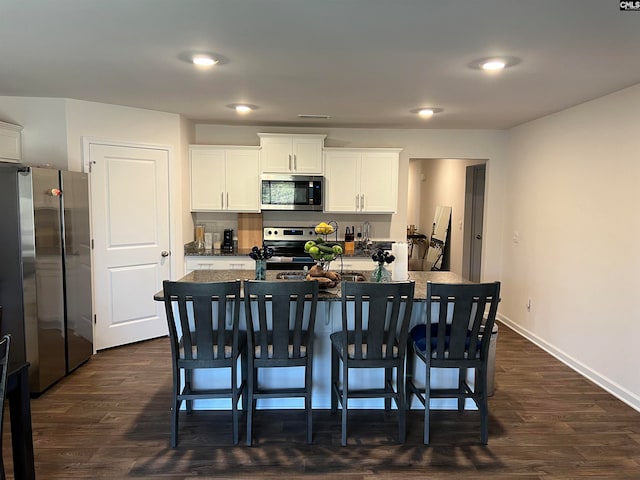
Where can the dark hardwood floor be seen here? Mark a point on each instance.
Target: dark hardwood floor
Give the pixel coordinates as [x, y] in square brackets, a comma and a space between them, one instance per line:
[110, 419]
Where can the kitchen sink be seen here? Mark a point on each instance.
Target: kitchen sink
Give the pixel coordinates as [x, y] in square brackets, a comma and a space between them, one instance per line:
[291, 275]
[299, 275]
[353, 277]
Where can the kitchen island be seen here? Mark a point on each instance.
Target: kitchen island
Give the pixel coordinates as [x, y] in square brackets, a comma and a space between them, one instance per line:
[328, 320]
[419, 277]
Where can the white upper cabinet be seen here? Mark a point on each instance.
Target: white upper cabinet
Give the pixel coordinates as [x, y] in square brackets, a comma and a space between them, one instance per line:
[291, 154]
[361, 180]
[224, 178]
[10, 142]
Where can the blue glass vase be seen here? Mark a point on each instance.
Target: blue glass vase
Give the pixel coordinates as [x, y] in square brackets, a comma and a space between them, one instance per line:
[381, 274]
[261, 269]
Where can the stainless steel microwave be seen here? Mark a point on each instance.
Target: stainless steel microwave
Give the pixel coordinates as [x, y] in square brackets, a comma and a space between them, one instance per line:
[292, 192]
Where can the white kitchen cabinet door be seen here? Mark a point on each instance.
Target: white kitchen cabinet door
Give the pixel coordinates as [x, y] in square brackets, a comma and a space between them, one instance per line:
[207, 179]
[379, 182]
[276, 154]
[225, 178]
[307, 154]
[243, 180]
[361, 180]
[342, 182]
[291, 154]
[10, 142]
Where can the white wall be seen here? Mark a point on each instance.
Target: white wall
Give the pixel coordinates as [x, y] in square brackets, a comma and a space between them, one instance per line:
[486, 144]
[414, 209]
[572, 201]
[54, 128]
[44, 141]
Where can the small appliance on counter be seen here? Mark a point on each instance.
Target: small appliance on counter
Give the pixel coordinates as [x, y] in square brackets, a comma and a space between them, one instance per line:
[349, 244]
[199, 238]
[227, 241]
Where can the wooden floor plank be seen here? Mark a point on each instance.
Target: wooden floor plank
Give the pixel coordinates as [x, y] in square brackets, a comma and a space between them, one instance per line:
[110, 419]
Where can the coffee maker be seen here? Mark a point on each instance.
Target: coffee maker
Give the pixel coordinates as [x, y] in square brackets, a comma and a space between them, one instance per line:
[227, 240]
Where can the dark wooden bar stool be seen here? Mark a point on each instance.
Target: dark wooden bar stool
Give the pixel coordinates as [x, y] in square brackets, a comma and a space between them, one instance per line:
[280, 332]
[456, 339]
[379, 314]
[210, 339]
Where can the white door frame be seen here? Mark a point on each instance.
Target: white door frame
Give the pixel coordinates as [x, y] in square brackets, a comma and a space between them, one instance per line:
[86, 143]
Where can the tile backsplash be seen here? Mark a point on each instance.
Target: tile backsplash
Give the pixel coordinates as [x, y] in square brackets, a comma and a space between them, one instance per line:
[380, 224]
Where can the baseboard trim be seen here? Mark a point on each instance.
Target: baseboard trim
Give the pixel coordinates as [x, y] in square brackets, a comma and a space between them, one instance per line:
[606, 384]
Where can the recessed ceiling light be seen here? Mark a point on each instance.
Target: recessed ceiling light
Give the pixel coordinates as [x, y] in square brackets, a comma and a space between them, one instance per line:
[426, 112]
[242, 107]
[494, 64]
[314, 115]
[204, 60]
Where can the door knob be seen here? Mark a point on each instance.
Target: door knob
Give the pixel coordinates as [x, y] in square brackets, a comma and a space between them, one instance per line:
[165, 253]
[478, 237]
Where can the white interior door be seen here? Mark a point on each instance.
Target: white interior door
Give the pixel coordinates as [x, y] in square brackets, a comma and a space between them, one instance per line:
[130, 230]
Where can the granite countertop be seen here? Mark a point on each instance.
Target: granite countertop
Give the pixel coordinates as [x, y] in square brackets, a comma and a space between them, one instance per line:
[419, 277]
[191, 251]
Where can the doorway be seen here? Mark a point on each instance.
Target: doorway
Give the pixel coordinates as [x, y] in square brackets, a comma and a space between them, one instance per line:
[442, 181]
[473, 222]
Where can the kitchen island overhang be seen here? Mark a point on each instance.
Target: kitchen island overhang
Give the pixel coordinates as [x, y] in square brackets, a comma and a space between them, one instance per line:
[328, 320]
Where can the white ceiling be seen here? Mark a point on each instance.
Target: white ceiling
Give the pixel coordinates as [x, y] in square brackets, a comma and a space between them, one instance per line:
[366, 63]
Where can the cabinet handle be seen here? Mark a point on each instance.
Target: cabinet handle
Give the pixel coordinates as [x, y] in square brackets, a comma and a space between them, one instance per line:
[227, 200]
[357, 201]
[221, 200]
[295, 162]
[164, 253]
[362, 202]
[289, 162]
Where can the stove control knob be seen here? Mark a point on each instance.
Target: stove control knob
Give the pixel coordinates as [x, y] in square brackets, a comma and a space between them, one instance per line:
[268, 232]
[276, 232]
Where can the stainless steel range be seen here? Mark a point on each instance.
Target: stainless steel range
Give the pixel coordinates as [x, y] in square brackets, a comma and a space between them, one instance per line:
[288, 247]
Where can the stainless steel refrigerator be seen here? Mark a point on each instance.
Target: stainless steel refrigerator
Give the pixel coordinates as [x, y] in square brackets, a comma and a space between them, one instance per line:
[45, 270]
